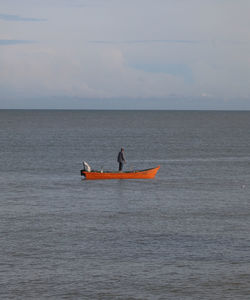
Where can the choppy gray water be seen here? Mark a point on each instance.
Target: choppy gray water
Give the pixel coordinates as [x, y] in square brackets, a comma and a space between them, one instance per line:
[183, 235]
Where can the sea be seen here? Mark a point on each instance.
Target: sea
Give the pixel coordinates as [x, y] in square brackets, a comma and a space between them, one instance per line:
[183, 235]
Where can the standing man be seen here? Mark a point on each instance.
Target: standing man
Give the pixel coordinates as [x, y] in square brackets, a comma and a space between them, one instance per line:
[120, 159]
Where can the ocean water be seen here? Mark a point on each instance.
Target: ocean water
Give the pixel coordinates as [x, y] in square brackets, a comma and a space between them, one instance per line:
[183, 235]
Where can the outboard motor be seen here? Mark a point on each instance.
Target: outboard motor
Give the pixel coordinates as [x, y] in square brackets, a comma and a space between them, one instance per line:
[86, 166]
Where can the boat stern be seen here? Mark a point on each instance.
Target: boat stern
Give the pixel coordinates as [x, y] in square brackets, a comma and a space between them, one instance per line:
[82, 172]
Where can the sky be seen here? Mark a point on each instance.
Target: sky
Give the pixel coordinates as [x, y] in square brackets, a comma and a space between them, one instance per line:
[125, 54]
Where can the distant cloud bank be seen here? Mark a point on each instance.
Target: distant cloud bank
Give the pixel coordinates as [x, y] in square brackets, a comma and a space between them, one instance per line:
[15, 42]
[146, 42]
[17, 18]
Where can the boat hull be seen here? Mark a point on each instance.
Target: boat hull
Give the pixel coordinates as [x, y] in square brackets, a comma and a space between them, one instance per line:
[141, 174]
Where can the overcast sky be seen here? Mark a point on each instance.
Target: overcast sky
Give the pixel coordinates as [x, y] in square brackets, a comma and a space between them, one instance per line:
[152, 54]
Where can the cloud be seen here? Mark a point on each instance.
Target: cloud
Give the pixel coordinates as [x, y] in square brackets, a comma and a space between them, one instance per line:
[205, 95]
[103, 74]
[15, 42]
[17, 18]
[181, 70]
[146, 42]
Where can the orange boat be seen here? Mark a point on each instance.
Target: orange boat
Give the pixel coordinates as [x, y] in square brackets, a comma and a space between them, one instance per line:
[138, 174]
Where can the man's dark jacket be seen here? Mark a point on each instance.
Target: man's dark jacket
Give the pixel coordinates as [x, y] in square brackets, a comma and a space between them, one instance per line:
[120, 157]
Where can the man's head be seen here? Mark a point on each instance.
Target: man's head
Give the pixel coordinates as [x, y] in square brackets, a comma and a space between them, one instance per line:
[122, 149]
